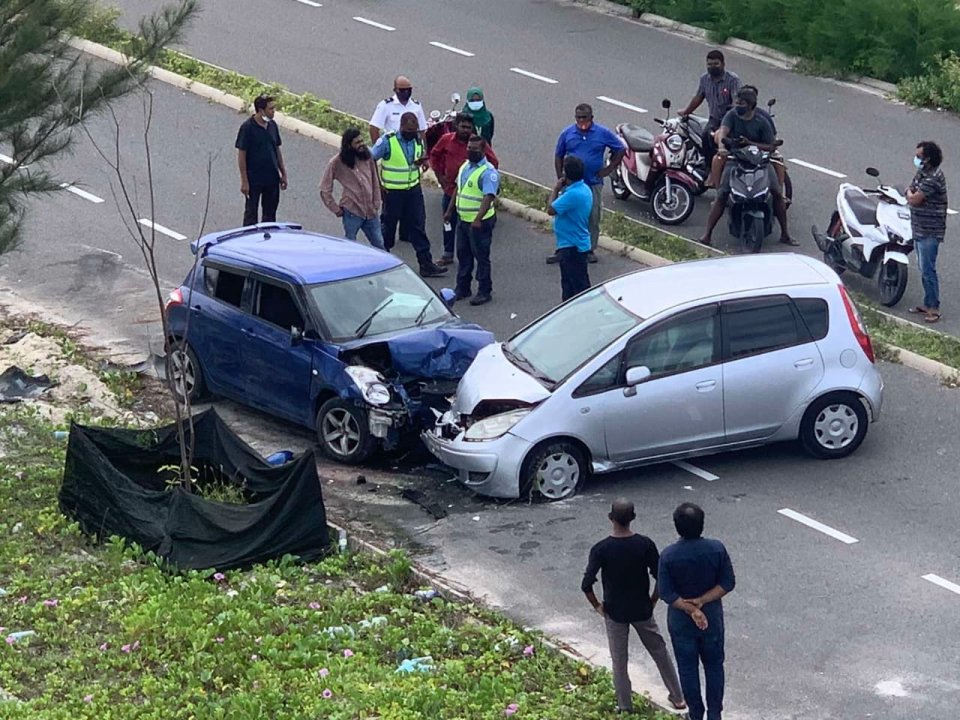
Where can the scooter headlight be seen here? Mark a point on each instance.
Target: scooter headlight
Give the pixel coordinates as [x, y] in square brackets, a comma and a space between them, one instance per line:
[675, 143]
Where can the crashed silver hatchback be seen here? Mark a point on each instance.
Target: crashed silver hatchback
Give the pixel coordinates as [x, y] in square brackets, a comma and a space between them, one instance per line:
[661, 364]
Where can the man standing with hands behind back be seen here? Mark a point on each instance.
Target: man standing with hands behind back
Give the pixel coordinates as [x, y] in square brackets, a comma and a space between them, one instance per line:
[626, 560]
[262, 172]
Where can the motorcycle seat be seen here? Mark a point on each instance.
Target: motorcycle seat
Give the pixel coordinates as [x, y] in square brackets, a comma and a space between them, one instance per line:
[638, 139]
[864, 208]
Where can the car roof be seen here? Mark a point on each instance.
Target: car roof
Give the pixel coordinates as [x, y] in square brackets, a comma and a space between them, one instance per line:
[310, 257]
[650, 291]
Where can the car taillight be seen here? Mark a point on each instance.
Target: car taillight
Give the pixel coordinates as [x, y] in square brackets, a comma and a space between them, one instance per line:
[856, 324]
[174, 298]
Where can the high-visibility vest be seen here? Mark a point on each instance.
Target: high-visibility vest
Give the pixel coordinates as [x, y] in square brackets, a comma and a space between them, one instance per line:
[395, 172]
[470, 195]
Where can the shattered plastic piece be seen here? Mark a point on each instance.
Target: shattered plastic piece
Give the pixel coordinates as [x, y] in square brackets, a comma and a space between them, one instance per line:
[513, 316]
[417, 664]
[20, 635]
[16, 385]
[280, 458]
[60, 434]
[476, 518]
[427, 595]
[383, 588]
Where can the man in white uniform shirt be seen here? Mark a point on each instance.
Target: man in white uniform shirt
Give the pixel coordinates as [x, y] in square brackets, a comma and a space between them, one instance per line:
[386, 118]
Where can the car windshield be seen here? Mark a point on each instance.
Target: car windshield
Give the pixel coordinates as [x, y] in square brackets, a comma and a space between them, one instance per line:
[565, 339]
[396, 299]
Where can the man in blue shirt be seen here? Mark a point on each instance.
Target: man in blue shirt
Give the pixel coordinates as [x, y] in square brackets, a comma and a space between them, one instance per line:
[590, 142]
[570, 204]
[478, 183]
[695, 573]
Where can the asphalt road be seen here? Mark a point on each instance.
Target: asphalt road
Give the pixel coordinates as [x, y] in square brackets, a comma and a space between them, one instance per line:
[817, 628]
[348, 51]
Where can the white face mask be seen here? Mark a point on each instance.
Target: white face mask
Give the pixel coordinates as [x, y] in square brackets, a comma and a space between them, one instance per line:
[475, 104]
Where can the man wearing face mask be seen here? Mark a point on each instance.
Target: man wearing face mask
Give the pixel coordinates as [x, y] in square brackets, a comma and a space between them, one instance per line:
[718, 87]
[386, 118]
[359, 204]
[262, 172]
[590, 142]
[744, 124]
[402, 159]
[927, 196]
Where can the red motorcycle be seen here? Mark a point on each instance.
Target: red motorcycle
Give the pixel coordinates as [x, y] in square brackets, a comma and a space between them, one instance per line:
[439, 124]
[658, 170]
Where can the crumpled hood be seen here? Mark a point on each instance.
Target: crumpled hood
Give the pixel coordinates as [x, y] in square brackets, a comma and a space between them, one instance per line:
[492, 377]
[443, 352]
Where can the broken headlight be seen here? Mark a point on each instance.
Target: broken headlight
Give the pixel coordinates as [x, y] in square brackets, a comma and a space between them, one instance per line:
[370, 383]
[490, 428]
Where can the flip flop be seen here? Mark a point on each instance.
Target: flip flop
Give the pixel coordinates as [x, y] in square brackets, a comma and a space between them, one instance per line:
[932, 317]
[918, 310]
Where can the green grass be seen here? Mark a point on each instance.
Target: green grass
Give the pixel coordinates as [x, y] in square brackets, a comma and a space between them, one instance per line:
[929, 343]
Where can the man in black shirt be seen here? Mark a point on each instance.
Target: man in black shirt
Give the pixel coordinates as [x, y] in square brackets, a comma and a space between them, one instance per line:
[626, 560]
[262, 172]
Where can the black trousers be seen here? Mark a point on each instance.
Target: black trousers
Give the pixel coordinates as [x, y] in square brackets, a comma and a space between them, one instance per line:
[268, 196]
[574, 278]
[406, 209]
[473, 247]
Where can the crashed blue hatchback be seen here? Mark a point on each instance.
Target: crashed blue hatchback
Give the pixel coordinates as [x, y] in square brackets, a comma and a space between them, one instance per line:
[321, 331]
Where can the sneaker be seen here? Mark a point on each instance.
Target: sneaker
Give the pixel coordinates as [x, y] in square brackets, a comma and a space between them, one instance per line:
[444, 261]
[553, 259]
[432, 270]
[481, 300]
[591, 257]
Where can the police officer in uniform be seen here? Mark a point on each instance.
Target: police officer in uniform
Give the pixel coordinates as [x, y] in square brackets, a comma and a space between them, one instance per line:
[478, 183]
[386, 118]
[402, 159]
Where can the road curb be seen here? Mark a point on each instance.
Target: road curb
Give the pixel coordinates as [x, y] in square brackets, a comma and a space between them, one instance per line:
[925, 365]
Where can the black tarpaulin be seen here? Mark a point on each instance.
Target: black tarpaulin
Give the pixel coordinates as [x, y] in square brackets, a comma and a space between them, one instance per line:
[115, 483]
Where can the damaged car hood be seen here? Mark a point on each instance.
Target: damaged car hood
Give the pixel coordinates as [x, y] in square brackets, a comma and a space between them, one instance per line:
[442, 352]
[491, 378]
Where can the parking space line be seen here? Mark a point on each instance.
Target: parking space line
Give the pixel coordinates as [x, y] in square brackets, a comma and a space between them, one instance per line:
[818, 168]
[10, 161]
[945, 584]
[819, 526]
[161, 229]
[81, 193]
[373, 23]
[451, 48]
[620, 103]
[527, 73]
[310, 3]
[951, 212]
[709, 477]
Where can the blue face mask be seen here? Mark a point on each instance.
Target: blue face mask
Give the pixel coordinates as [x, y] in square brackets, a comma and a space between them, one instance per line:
[917, 162]
[741, 110]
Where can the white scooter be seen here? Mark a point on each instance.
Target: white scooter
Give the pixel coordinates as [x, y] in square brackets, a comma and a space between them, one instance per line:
[870, 233]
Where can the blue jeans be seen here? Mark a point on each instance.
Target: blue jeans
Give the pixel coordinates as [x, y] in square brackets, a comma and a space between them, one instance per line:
[352, 224]
[927, 250]
[449, 236]
[692, 646]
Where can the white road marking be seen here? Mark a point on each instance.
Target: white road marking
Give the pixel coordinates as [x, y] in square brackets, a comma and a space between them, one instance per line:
[620, 103]
[161, 229]
[951, 212]
[311, 3]
[945, 584]
[371, 23]
[818, 168]
[81, 193]
[811, 523]
[10, 161]
[709, 477]
[527, 73]
[451, 48]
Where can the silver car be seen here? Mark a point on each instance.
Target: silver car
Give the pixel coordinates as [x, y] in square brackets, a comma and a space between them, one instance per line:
[661, 364]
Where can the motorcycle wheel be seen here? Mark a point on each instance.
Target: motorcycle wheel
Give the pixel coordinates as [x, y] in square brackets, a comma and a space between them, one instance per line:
[835, 230]
[831, 263]
[672, 210]
[892, 283]
[619, 188]
[752, 237]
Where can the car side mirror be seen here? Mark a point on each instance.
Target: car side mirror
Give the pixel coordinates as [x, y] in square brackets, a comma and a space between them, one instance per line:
[635, 376]
[455, 98]
[873, 172]
[296, 336]
[449, 296]
[771, 102]
[665, 104]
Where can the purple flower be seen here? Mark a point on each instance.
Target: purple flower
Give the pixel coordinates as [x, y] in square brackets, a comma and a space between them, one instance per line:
[11, 639]
[51, 603]
[125, 648]
[323, 672]
[511, 709]
[314, 606]
[327, 694]
[348, 653]
[528, 650]
[104, 647]
[219, 577]
[88, 698]
[22, 600]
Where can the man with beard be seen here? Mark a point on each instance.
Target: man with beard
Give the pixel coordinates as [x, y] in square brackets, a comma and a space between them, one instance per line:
[719, 88]
[359, 204]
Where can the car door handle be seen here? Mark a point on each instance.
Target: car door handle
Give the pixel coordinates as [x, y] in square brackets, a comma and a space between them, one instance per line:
[196, 308]
[805, 363]
[706, 385]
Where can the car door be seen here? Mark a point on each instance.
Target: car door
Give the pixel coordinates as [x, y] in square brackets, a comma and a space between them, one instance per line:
[216, 319]
[771, 365]
[680, 406]
[277, 371]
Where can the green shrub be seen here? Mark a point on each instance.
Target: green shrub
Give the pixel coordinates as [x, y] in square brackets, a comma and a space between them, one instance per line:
[938, 86]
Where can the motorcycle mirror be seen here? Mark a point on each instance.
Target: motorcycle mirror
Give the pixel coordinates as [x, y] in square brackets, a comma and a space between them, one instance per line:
[873, 172]
[771, 102]
[665, 104]
[455, 98]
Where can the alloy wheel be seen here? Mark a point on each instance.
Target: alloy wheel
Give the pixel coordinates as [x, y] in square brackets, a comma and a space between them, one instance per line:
[340, 432]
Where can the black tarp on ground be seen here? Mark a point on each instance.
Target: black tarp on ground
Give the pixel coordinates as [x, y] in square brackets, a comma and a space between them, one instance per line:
[113, 485]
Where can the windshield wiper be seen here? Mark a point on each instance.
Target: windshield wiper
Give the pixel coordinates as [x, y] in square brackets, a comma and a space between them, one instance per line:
[365, 325]
[521, 362]
[423, 311]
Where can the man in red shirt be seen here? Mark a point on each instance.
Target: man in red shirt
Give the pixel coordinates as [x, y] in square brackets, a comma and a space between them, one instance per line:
[446, 158]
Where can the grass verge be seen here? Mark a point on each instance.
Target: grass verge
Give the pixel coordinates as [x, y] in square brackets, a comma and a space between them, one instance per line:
[929, 343]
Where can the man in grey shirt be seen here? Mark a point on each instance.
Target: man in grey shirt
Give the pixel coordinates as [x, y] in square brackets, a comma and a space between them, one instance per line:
[718, 87]
[927, 196]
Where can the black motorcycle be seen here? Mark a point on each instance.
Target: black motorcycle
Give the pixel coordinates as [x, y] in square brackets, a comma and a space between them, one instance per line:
[750, 202]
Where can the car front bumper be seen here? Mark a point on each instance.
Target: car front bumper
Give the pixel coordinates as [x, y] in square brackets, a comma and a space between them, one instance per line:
[490, 468]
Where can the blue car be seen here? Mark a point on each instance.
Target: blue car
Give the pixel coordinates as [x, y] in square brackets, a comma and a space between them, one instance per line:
[321, 331]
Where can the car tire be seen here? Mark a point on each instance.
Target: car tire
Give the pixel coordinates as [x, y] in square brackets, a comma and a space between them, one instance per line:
[343, 431]
[834, 426]
[553, 471]
[182, 363]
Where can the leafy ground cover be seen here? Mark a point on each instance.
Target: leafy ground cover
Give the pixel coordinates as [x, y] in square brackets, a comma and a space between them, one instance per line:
[105, 631]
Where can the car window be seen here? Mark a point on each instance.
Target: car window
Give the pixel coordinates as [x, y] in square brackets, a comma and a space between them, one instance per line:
[228, 286]
[275, 305]
[686, 342]
[816, 314]
[210, 275]
[761, 325]
[603, 379]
